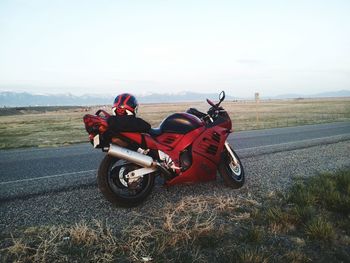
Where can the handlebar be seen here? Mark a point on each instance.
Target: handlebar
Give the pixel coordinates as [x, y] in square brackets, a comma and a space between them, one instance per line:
[215, 108]
[211, 103]
[221, 98]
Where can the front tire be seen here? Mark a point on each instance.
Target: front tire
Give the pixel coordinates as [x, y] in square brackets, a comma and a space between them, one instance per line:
[114, 186]
[232, 174]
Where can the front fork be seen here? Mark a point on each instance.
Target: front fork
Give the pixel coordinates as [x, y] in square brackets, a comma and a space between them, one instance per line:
[229, 150]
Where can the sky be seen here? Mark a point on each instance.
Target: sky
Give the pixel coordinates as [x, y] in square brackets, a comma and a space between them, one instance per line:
[110, 46]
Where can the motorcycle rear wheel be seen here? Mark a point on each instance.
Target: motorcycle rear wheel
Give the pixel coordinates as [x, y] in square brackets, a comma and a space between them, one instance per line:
[232, 174]
[114, 186]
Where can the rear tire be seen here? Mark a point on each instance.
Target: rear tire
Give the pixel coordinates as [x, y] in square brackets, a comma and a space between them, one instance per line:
[114, 186]
[233, 175]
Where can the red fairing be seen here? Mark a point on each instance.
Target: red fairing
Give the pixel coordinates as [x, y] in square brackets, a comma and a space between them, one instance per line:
[136, 137]
[211, 143]
[206, 147]
[150, 142]
[206, 144]
[201, 170]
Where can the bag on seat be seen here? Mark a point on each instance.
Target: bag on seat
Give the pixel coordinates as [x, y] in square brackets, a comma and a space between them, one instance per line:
[128, 123]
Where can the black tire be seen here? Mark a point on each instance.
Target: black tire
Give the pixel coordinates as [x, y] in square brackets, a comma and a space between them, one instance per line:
[233, 175]
[115, 189]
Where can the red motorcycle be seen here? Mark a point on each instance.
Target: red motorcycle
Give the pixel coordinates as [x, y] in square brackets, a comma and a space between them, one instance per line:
[187, 147]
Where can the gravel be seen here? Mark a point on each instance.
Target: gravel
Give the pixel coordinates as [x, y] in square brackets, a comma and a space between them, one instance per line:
[265, 173]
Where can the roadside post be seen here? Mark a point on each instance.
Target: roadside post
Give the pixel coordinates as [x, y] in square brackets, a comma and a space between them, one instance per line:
[257, 101]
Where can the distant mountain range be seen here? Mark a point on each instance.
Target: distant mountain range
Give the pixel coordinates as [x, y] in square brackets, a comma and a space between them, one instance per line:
[16, 99]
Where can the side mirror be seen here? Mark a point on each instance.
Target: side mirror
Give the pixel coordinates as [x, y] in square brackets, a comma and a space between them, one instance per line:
[222, 96]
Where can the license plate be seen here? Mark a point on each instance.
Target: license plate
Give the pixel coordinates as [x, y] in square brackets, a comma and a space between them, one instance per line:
[96, 141]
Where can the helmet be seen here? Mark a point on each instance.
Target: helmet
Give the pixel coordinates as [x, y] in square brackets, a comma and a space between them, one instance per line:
[125, 104]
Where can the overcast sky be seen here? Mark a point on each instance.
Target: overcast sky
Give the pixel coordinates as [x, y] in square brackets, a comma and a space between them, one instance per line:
[274, 47]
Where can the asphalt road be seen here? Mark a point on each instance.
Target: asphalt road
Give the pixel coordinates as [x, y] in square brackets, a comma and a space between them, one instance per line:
[26, 173]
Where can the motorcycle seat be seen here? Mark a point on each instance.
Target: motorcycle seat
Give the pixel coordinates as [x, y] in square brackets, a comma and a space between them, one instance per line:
[154, 132]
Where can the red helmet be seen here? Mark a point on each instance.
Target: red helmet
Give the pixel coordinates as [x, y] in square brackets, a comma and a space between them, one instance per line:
[125, 104]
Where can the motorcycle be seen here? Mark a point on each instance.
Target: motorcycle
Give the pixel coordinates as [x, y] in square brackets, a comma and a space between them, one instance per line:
[188, 147]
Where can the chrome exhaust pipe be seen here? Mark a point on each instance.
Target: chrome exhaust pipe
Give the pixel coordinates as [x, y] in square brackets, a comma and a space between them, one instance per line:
[131, 156]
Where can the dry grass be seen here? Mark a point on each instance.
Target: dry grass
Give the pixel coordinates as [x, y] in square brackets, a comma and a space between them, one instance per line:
[296, 256]
[18, 248]
[247, 115]
[81, 242]
[82, 234]
[254, 255]
[40, 130]
[203, 229]
[184, 225]
[64, 126]
[176, 233]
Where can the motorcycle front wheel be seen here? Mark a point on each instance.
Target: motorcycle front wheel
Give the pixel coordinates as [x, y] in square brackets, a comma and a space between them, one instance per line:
[232, 174]
[115, 187]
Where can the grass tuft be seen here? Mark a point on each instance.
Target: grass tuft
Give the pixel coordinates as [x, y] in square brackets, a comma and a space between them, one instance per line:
[254, 235]
[320, 229]
[295, 256]
[18, 248]
[301, 195]
[304, 213]
[251, 255]
[82, 234]
[330, 191]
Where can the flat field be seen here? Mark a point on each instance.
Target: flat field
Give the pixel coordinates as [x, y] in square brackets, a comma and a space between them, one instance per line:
[55, 126]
